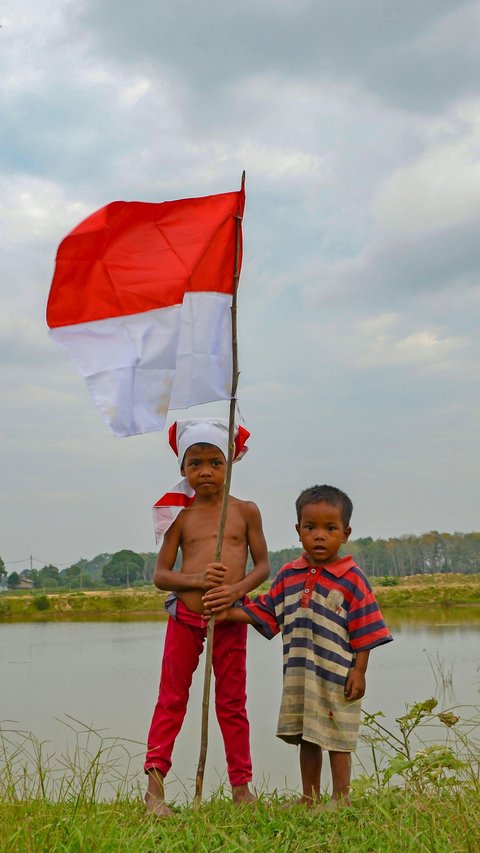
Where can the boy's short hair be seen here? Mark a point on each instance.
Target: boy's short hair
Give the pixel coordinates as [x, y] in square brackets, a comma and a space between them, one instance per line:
[328, 494]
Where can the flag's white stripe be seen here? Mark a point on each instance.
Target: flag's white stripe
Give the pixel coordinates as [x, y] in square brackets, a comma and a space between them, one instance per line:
[139, 366]
[204, 353]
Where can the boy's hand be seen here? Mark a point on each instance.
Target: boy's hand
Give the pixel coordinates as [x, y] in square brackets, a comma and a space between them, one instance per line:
[209, 614]
[213, 575]
[219, 598]
[355, 685]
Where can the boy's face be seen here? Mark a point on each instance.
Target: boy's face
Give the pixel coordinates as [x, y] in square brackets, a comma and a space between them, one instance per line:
[322, 532]
[205, 468]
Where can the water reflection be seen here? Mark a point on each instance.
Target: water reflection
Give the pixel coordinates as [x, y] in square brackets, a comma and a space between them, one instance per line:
[401, 618]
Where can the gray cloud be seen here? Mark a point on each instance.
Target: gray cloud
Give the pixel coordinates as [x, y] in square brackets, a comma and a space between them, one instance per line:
[398, 50]
[358, 126]
[387, 273]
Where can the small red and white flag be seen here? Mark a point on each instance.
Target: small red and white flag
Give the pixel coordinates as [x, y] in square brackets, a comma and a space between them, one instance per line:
[140, 300]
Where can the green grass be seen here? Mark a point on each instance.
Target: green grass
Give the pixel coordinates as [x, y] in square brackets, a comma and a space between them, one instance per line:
[423, 795]
[391, 821]
[439, 590]
[120, 604]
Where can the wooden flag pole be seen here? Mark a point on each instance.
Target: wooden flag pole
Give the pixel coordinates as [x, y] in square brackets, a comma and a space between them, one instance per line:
[223, 517]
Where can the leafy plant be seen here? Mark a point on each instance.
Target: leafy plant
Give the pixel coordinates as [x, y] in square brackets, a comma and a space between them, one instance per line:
[41, 602]
[421, 767]
[389, 580]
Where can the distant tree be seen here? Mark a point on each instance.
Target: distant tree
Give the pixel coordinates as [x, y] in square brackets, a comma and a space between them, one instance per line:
[278, 559]
[95, 565]
[3, 571]
[362, 550]
[149, 559]
[123, 568]
[33, 575]
[47, 576]
[13, 580]
[471, 554]
[70, 573]
[85, 567]
[82, 581]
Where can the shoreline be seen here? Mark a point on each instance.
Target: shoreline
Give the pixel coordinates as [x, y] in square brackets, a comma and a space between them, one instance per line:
[439, 593]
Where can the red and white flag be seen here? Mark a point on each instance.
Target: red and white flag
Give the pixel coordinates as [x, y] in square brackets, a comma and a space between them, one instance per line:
[140, 299]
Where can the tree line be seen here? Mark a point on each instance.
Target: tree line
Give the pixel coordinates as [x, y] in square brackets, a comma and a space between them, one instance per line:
[431, 552]
[123, 568]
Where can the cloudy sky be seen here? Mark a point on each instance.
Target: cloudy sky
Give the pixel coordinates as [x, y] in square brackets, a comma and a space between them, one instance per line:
[358, 125]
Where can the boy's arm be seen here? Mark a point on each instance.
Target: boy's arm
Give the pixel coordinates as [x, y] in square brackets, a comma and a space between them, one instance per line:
[229, 614]
[165, 578]
[355, 683]
[260, 613]
[224, 595]
[258, 552]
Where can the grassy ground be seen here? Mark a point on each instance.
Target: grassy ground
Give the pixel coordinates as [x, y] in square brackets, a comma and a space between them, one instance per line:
[423, 797]
[390, 821]
[417, 591]
[122, 604]
[436, 589]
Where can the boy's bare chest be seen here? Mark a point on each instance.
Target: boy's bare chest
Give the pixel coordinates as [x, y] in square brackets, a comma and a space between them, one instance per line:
[201, 527]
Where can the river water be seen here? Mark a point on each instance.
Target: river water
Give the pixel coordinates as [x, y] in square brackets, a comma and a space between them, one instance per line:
[59, 680]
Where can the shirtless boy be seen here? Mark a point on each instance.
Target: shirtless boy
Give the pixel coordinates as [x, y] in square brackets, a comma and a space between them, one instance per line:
[201, 446]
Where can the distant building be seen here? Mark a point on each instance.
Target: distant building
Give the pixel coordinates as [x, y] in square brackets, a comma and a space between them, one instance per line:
[24, 583]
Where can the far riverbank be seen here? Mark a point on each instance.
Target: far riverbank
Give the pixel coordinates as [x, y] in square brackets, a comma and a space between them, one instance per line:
[147, 604]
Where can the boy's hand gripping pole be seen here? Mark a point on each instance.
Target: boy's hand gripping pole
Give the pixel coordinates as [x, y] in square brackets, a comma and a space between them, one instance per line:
[223, 517]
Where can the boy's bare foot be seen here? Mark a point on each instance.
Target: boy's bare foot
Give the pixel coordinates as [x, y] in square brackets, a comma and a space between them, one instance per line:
[158, 808]
[242, 795]
[155, 796]
[306, 802]
[335, 804]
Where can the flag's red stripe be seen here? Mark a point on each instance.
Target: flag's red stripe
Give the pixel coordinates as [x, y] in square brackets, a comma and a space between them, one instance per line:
[132, 257]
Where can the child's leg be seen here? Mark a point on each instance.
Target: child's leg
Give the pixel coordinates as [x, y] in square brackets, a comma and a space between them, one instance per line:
[229, 665]
[310, 769]
[341, 764]
[183, 646]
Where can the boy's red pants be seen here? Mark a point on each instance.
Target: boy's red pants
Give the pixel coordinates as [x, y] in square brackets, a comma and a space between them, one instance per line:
[184, 641]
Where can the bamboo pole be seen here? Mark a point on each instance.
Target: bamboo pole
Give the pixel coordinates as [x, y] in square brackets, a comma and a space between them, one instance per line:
[223, 517]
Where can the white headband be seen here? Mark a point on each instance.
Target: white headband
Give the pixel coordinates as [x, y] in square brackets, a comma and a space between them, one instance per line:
[184, 433]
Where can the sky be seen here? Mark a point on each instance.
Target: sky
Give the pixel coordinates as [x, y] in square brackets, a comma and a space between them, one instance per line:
[358, 126]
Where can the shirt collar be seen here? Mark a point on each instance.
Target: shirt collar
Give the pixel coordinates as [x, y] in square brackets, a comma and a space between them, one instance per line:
[338, 568]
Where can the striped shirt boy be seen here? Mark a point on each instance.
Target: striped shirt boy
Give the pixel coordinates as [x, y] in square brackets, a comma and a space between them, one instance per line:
[326, 614]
